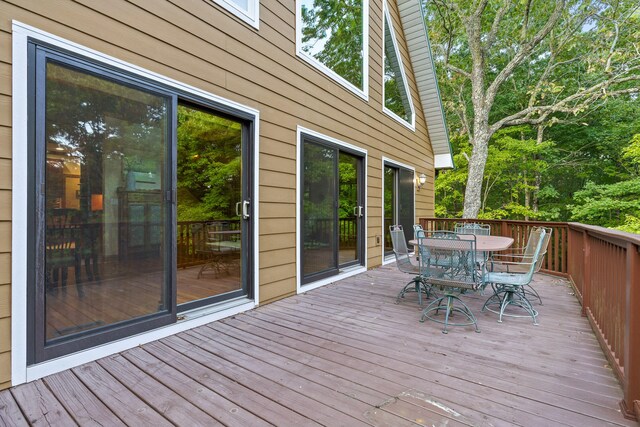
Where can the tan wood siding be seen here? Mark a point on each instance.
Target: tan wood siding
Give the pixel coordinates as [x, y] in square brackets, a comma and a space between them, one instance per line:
[5, 369]
[200, 44]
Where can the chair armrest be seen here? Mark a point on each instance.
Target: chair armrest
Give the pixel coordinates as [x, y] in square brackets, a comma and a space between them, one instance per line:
[501, 256]
[508, 266]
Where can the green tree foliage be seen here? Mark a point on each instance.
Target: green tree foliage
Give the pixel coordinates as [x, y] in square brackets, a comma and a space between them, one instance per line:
[513, 159]
[332, 33]
[614, 205]
[541, 63]
[396, 98]
[209, 165]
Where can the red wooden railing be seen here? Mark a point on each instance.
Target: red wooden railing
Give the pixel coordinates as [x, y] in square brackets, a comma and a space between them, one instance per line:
[603, 266]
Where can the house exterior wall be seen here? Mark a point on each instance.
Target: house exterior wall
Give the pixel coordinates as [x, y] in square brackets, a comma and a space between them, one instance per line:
[199, 43]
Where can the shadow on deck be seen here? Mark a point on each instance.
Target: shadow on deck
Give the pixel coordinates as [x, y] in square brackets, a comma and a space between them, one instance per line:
[344, 354]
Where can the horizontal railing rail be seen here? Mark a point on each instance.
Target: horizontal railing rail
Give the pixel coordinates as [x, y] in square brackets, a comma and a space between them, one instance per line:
[603, 266]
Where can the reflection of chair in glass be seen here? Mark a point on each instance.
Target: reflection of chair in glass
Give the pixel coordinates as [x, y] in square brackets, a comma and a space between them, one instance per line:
[449, 263]
[61, 250]
[87, 249]
[508, 284]
[473, 228]
[525, 255]
[220, 245]
[404, 263]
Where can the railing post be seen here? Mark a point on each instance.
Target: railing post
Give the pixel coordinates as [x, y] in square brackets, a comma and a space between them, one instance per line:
[586, 272]
[631, 403]
[504, 229]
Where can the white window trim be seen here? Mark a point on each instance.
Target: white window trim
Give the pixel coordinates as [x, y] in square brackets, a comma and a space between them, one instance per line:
[412, 124]
[391, 162]
[250, 16]
[362, 93]
[20, 372]
[346, 272]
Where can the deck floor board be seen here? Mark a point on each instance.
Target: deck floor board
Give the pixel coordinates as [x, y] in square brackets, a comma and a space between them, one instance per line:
[345, 354]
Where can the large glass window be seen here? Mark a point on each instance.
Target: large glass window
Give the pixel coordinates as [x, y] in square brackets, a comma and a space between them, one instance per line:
[334, 36]
[397, 101]
[141, 204]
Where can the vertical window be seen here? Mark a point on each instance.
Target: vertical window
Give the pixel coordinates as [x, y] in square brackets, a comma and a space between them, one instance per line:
[333, 36]
[247, 10]
[397, 101]
[398, 203]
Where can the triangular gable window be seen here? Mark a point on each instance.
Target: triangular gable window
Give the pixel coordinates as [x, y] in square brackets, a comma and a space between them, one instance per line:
[397, 102]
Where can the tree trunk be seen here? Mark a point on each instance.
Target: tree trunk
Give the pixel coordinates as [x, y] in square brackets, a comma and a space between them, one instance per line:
[538, 175]
[527, 196]
[477, 162]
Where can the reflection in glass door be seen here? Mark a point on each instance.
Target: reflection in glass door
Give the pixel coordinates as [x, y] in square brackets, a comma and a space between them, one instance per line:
[390, 205]
[398, 202]
[332, 210]
[103, 155]
[141, 205]
[212, 207]
[350, 208]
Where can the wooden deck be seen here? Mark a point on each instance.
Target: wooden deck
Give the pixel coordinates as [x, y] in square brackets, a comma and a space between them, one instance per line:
[344, 354]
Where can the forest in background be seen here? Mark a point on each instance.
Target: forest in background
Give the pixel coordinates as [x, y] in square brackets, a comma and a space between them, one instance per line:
[553, 88]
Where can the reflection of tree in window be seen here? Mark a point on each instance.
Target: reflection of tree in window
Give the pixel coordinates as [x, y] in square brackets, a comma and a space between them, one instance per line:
[209, 165]
[396, 98]
[332, 33]
[92, 120]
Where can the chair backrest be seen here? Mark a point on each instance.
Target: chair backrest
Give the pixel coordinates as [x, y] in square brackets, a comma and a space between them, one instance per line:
[538, 237]
[448, 261]
[544, 248]
[400, 250]
[535, 236]
[418, 231]
[472, 228]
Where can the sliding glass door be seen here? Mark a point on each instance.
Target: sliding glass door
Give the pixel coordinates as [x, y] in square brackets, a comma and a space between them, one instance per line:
[332, 208]
[141, 204]
[213, 207]
[398, 202]
[103, 249]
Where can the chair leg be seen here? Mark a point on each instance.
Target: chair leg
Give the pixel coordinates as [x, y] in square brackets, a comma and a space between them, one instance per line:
[530, 290]
[416, 285]
[447, 303]
[510, 296]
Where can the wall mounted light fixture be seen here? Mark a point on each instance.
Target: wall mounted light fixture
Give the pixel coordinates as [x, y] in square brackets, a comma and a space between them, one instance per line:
[422, 178]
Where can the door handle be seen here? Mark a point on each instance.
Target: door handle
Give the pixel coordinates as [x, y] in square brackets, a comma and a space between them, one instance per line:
[355, 211]
[360, 209]
[245, 209]
[238, 208]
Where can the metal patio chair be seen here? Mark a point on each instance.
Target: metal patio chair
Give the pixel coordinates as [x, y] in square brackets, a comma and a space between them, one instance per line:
[508, 284]
[473, 228]
[525, 254]
[404, 263]
[448, 263]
